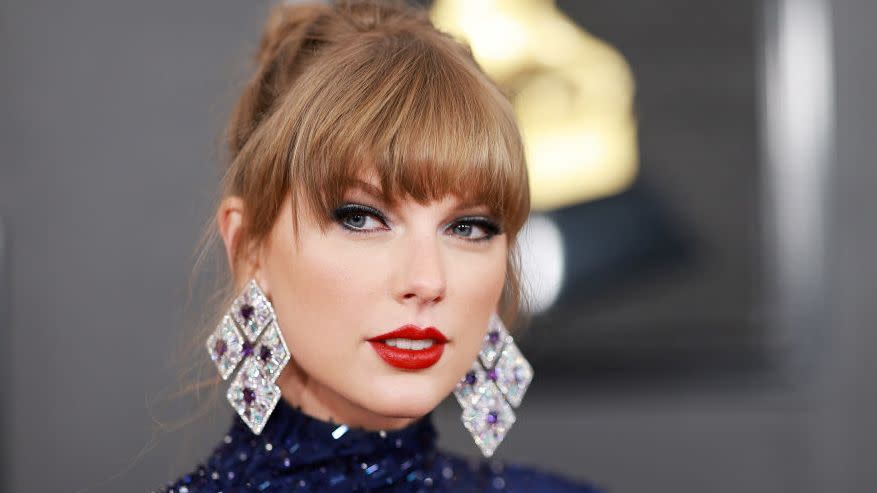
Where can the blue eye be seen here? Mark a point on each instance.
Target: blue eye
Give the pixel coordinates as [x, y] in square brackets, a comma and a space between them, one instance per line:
[358, 221]
[464, 229]
[359, 218]
[475, 228]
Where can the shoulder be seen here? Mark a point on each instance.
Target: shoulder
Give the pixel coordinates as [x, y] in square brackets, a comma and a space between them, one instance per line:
[509, 477]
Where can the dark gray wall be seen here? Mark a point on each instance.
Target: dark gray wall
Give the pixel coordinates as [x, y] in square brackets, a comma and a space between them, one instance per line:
[111, 113]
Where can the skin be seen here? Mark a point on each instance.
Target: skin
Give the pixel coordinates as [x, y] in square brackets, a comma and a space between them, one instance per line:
[338, 288]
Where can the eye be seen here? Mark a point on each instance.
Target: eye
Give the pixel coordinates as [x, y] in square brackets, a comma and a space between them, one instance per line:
[359, 218]
[475, 228]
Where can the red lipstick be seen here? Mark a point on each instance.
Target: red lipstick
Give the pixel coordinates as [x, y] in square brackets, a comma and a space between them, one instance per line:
[410, 359]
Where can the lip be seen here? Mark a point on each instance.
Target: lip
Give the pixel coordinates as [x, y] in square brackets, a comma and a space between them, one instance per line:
[413, 332]
[410, 359]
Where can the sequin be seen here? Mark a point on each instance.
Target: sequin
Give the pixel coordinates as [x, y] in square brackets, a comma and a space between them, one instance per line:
[339, 432]
[314, 456]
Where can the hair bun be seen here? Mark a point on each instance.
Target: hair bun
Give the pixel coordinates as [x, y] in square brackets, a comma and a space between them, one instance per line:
[292, 39]
[286, 32]
[286, 28]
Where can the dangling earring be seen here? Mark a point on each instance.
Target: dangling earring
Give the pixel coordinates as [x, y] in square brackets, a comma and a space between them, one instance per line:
[496, 382]
[252, 393]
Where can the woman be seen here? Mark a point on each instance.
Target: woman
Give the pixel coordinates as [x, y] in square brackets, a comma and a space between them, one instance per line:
[376, 185]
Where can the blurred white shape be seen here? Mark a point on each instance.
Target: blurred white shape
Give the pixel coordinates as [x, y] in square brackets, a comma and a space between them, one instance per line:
[799, 128]
[540, 243]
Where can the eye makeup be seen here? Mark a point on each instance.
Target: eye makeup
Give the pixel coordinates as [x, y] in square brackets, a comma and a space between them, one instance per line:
[490, 227]
[354, 217]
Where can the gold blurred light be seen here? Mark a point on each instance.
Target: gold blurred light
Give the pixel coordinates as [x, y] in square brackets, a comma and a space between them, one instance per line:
[572, 93]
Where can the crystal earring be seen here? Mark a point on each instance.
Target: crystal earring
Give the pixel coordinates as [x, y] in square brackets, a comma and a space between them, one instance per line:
[252, 393]
[494, 384]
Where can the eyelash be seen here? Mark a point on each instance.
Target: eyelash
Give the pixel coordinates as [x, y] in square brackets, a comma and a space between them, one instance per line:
[490, 228]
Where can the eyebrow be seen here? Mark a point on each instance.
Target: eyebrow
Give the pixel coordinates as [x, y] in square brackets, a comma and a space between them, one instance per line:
[367, 188]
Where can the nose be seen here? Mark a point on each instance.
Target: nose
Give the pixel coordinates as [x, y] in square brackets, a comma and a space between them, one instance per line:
[421, 271]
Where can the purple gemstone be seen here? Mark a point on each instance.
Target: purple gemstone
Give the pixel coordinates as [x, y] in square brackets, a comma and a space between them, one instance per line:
[491, 374]
[249, 395]
[247, 311]
[493, 337]
[220, 348]
[265, 353]
[247, 349]
[471, 378]
[492, 417]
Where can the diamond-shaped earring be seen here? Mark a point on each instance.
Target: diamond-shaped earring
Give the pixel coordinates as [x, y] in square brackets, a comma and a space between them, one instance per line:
[252, 393]
[494, 384]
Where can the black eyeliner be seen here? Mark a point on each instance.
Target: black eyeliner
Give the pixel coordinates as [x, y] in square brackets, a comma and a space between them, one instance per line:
[493, 227]
[490, 227]
[346, 209]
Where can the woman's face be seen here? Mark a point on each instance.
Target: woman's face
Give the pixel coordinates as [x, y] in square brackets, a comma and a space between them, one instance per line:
[374, 270]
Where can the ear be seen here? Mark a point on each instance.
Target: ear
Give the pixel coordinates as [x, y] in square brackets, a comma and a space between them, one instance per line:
[229, 218]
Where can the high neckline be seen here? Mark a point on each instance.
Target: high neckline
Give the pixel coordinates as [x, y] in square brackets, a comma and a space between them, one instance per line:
[290, 428]
[297, 452]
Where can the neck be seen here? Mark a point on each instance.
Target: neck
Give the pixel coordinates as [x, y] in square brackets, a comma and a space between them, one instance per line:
[320, 402]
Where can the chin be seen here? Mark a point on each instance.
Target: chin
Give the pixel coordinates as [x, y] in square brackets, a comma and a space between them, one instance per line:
[403, 400]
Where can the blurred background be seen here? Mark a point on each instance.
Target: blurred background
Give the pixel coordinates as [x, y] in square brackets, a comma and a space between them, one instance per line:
[700, 253]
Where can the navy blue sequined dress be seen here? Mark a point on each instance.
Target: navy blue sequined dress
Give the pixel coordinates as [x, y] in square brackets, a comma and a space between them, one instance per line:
[298, 453]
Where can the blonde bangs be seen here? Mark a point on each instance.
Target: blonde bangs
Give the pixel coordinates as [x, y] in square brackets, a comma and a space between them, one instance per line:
[416, 115]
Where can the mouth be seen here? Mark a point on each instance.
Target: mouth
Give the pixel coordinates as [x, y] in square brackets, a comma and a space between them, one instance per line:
[410, 347]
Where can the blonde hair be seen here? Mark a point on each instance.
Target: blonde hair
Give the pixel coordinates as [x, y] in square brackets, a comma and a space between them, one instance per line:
[367, 85]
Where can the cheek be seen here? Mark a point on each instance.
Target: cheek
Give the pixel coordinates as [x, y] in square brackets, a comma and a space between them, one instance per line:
[477, 282]
[322, 289]
[474, 289]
